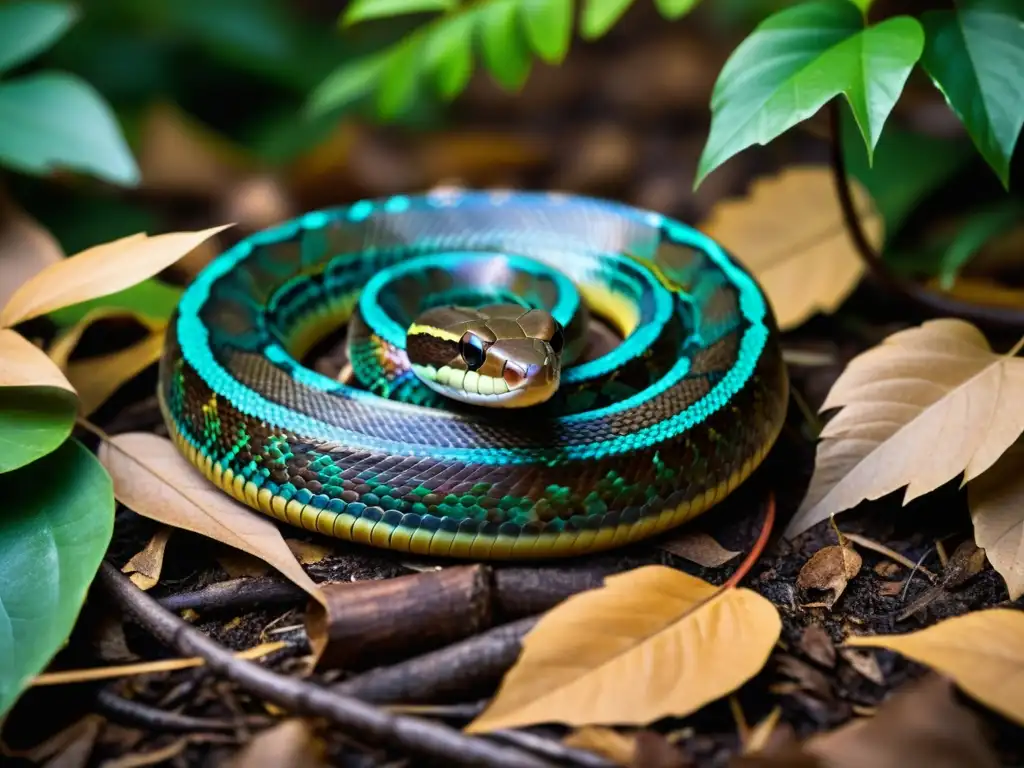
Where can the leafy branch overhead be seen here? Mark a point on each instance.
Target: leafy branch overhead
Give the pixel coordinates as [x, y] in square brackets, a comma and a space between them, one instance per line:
[801, 58]
[506, 34]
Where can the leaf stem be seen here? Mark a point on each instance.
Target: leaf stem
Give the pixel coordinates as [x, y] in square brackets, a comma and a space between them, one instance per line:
[980, 314]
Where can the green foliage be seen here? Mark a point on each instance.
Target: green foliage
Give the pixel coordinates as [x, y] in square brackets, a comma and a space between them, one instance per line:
[52, 120]
[975, 56]
[151, 298]
[984, 224]
[506, 33]
[33, 422]
[796, 62]
[57, 523]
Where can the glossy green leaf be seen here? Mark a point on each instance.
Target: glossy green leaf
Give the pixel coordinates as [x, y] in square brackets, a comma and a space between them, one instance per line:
[348, 83]
[598, 16]
[57, 523]
[33, 422]
[675, 9]
[449, 54]
[398, 87]
[796, 62]
[364, 10]
[983, 225]
[975, 56]
[863, 5]
[548, 25]
[53, 120]
[29, 28]
[503, 44]
[151, 298]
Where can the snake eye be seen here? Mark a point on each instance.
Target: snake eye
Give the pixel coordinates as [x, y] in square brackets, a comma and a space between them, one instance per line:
[557, 340]
[472, 349]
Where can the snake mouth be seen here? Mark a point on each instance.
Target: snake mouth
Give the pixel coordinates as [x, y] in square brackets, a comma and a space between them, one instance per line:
[478, 389]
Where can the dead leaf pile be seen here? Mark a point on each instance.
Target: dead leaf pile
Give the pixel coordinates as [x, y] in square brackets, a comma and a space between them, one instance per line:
[650, 643]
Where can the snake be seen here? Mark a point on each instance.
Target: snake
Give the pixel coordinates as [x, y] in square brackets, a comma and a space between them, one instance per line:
[527, 374]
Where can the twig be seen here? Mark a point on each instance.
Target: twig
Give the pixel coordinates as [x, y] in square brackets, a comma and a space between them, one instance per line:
[556, 750]
[981, 314]
[371, 724]
[235, 594]
[892, 554]
[130, 712]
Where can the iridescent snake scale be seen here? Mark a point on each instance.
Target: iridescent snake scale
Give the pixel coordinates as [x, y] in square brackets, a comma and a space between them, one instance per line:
[481, 418]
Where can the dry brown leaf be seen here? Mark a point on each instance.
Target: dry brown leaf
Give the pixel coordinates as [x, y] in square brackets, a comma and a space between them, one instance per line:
[996, 499]
[643, 646]
[292, 742]
[982, 651]
[760, 735]
[700, 548]
[100, 271]
[816, 645]
[145, 566]
[174, 493]
[97, 378]
[928, 403]
[238, 564]
[617, 747]
[864, 664]
[829, 570]
[26, 365]
[789, 232]
[309, 552]
[26, 248]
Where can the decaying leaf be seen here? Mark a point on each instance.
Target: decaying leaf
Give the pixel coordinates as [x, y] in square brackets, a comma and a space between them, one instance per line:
[26, 248]
[996, 499]
[308, 552]
[816, 645]
[151, 478]
[700, 548]
[829, 570]
[789, 232]
[981, 651]
[290, 742]
[928, 403]
[26, 365]
[864, 664]
[651, 642]
[97, 378]
[99, 271]
[144, 567]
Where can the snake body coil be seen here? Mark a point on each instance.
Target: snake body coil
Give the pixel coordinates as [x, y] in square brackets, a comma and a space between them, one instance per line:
[491, 299]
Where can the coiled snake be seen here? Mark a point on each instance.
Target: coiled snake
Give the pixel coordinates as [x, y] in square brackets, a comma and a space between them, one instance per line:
[486, 415]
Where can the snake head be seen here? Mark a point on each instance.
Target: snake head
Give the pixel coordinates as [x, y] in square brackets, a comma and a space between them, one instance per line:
[500, 355]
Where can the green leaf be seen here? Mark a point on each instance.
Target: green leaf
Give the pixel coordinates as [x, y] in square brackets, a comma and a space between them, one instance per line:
[57, 523]
[33, 422]
[364, 10]
[972, 235]
[348, 83]
[548, 27]
[504, 49]
[151, 298]
[600, 15]
[398, 89]
[863, 5]
[449, 54]
[675, 9]
[53, 120]
[29, 28]
[796, 62]
[975, 56]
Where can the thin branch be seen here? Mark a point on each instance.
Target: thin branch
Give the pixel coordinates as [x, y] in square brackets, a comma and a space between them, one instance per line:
[980, 314]
[414, 735]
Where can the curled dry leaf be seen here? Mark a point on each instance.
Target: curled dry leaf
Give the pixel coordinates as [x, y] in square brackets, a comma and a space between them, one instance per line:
[145, 566]
[26, 365]
[829, 570]
[928, 403]
[651, 642]
[700, 548]
[996, 500]
[816, 645]
[99, 271]
[26, 248]
[981, 651]
[789, 232]
[153, 479]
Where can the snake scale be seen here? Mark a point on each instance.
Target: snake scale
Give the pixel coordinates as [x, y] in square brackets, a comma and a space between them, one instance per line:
[529, 374]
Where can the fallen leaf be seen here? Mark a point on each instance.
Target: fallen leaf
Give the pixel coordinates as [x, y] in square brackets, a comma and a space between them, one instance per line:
[65, 343]
[700, 548]
[864, 664]
[927, 404]
[921, 726]
[97, 378]
[100, 271]
[617, 747]
[829, 570]
[789, 232]
[290, 742]
[996, 499]
[26, 365]
[26, 248]
[153, 479]
[651, 642]
[68, 748]
[309, 552]
[981, 651]
[816, 645]
[145, 566]
[760, 735]
[238, 564]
